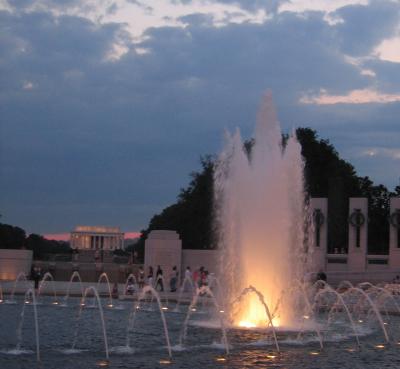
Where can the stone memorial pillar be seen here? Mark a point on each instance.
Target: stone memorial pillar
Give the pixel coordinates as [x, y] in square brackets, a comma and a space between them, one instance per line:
[319, 208]
[358, 231]
[394, 240]
[163, 248]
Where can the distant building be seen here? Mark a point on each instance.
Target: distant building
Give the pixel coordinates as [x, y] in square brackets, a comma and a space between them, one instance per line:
[97, 238]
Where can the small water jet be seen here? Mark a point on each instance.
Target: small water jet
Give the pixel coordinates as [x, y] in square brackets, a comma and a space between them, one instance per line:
[47, 277]
[82, 305]
[74, 275]
[20, 276]
[136, 309]
[29, 294]
[204, 290]
[105, 277]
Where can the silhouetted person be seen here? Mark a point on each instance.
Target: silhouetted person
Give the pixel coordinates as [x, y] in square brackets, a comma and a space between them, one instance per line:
[36, 276]
[174, 279]
[150, 276]
[159, 279]
[321, 276]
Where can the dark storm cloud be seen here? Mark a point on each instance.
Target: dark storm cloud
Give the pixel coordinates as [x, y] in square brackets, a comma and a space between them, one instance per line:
[89, 140]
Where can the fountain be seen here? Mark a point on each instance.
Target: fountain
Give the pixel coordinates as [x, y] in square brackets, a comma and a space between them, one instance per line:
[82, 305]
[260, 214]
[47, 276]
[20, 276]
[29, 294]
[105, 277]
[74, 275]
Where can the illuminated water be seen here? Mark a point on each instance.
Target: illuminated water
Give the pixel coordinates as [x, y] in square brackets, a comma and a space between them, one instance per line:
[260, 216]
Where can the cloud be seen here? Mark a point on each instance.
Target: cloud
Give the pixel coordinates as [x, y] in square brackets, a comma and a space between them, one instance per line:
[364, 96]
[389, 50]
[113, 124]
[381, 151]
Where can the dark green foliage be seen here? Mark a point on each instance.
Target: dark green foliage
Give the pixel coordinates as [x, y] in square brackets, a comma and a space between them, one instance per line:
[42, 247]
[11, 237]
[15, 238]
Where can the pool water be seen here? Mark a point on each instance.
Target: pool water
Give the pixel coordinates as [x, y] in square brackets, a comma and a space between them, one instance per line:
[202, 348]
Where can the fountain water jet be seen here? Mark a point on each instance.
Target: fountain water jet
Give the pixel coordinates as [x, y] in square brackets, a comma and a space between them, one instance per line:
[136, 308]
[204, 290]
[47, 276]
[101, 277]
[74, 275]
[20, 276]
[82, 305]
[260, 214]
[29, 293]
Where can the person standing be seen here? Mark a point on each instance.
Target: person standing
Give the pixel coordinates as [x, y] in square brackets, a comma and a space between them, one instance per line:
[141, 278]
[37, 276]
[174, 279]
[150, 276]
[159, 279]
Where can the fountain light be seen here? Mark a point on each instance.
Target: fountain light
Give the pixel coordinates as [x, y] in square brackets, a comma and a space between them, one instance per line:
[246, 324]
[103, 363]
[165, 361]
[164, 308]
[27, 301]
[380, 346]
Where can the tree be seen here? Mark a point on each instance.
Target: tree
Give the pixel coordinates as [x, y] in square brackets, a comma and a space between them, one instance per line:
[11, 237]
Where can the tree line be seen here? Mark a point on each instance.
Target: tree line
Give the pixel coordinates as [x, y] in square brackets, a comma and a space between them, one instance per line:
[12, 237]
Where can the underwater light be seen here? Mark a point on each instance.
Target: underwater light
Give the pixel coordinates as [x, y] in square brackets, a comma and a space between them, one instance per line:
[103, 363]
[246, 324]
[165, 361]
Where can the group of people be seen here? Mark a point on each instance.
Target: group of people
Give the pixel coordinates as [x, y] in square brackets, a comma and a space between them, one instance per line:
[199, 277]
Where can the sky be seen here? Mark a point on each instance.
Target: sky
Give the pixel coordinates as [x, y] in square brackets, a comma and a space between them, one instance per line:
[106, 106]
